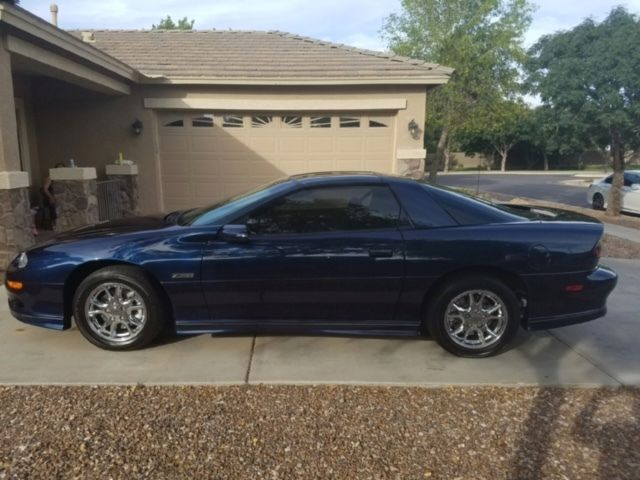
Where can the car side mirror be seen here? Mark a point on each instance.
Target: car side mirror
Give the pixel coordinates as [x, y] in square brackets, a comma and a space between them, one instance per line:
[234, 233]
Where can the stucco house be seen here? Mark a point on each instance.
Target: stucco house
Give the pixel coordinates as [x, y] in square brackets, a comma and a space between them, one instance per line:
[203, 114]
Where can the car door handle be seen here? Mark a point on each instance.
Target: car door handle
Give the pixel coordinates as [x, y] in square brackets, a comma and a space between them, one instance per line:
[381, 252]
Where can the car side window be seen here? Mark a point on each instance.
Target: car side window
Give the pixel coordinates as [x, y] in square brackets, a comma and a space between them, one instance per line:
[630, 179]
[609, 179]
[327, 209]
[421, 208]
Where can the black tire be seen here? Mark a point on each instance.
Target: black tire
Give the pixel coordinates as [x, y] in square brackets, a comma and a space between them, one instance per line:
[134, 279]
[597, 202]
[439, 302]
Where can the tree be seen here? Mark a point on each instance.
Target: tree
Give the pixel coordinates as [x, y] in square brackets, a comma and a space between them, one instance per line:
[590, 75]
[169, 24]
[480, 39]
[497, 131]
[555, 133]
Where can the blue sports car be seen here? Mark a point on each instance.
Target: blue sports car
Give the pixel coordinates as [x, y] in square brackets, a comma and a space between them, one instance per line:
[333, 253]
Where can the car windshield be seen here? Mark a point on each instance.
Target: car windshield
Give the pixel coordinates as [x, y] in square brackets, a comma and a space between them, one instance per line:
[212, 214]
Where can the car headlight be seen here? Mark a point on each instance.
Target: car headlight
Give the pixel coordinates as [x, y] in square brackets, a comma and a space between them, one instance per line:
[21, 260]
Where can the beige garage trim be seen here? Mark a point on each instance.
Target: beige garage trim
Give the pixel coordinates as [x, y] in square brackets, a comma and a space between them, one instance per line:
[280, 105]
[206, 157]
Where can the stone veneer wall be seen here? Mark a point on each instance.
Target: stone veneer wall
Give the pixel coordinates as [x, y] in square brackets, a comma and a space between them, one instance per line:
[129, 194]
[413, 168]
[77, 203]
[16, 222]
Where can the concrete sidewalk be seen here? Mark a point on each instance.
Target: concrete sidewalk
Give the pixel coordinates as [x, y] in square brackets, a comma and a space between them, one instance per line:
[622, 232]
[602, 352]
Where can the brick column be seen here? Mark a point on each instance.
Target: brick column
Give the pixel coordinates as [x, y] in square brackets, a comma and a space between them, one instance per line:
[15, 212]
[76, 194]
[127, 176]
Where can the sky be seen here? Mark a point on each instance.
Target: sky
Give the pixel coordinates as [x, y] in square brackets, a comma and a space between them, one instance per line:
[352, 22]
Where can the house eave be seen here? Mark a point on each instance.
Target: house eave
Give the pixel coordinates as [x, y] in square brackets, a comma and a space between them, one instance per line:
[36, 28]
[432, 80]
[59, 66]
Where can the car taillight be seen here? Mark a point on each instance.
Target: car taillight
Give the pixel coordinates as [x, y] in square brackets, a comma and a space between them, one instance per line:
[597, 250]
[574, 288]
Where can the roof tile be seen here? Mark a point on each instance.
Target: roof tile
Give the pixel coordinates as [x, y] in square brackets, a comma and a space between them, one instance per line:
[235, 54]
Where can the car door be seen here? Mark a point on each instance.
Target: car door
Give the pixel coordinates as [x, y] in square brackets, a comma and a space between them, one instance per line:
[631, 200]
[328, 254]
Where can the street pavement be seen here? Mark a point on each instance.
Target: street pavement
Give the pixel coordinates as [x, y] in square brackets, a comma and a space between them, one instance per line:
[602, 352]
[560, 188]
[564, 188]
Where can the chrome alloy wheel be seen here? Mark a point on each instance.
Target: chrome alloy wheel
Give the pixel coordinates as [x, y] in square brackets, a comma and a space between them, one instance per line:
[476, 319]
[116, 312]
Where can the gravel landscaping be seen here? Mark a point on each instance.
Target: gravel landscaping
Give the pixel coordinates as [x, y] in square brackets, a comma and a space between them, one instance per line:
[617, 247]
[319, 432]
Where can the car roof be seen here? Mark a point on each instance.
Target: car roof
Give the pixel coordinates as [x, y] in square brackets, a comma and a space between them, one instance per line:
[319, 178]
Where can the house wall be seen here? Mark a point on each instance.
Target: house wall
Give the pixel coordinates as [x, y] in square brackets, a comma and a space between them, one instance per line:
[22, 89]
[93, 131]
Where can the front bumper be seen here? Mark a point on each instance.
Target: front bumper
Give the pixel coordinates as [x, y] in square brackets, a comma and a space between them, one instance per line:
[37, 304]
[551, 306]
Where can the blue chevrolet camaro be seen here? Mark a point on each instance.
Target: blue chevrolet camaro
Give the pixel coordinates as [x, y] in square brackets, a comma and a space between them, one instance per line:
[326, 253]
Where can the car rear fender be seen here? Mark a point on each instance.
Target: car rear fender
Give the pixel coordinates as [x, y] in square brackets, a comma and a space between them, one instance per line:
[565, 246]
[511, 279]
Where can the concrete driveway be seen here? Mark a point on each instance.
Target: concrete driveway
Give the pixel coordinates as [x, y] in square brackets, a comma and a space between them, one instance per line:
[602, 352]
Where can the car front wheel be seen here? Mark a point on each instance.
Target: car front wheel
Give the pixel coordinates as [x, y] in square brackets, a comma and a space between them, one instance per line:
[117, 308]
[597, 202]
[474, 316]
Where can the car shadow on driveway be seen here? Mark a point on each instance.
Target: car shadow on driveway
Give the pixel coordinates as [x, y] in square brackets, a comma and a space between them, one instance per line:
[613, 435]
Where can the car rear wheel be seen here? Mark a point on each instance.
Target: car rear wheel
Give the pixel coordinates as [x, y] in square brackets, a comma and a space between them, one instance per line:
[474, 316]
[117, 308]
[597, 202]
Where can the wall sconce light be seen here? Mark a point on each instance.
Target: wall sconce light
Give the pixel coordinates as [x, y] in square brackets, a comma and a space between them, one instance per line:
[136, 127]
[414, 129]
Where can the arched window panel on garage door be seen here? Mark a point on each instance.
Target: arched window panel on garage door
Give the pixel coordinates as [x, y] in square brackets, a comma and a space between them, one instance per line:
[379, 122]
[321, 121]
[292, 121]
[349, 122]
[203, 120]
[230, 120]
[172, 121]
[261, 121]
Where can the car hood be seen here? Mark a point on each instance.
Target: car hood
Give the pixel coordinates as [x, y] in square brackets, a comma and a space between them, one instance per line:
[115, 227]
[548, 214]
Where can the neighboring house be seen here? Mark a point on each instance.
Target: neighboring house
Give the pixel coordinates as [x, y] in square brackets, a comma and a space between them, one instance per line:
[220, 111]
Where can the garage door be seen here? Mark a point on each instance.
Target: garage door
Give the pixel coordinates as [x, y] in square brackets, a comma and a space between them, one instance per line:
[206, 157]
